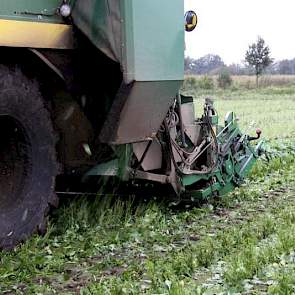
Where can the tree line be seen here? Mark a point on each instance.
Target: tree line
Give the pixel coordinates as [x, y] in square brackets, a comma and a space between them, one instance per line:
[258, 61]
[212, 64]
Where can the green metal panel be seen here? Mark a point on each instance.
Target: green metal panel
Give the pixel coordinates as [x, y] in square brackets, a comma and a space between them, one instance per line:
[149, 45]
[31, 10]
[100, 21]
[154, 40]
[138, 111]
[146, 37]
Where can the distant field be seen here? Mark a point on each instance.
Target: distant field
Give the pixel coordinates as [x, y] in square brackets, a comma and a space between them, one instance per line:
[249, 82]
[276, 117]
[272, 108]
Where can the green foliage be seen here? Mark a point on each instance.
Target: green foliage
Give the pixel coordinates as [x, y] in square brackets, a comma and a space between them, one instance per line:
[224, 79]
[191, 83]
[271, 115]
[206, 82]
[258, 56]
[285, 282]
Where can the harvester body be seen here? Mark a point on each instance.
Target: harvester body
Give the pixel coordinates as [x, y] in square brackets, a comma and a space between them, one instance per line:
[120, 113]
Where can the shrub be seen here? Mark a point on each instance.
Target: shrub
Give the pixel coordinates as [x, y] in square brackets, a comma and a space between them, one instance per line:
[190, 82]
[224, 79]
[206, 82]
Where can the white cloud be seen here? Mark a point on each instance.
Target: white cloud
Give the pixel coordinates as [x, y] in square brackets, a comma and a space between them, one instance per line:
[227, 27]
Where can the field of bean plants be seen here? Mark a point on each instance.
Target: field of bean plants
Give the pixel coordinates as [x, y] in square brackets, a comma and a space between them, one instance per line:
[243, 243]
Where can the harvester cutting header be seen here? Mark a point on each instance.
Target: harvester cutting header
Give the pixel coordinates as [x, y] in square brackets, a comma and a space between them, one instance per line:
[90, 90]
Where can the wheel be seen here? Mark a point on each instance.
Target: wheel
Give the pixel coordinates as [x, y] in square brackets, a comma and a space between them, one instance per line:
[28, 164]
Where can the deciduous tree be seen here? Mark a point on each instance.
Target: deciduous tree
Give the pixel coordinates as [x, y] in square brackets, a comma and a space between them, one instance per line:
[258, 57]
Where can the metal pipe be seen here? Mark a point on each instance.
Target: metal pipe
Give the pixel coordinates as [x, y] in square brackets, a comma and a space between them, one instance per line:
[181, 121]
[209, 144]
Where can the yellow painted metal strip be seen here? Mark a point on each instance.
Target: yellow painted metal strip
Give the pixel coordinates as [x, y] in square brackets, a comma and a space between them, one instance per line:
[35, 34]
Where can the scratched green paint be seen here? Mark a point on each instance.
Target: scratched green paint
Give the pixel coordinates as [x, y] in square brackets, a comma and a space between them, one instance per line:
[31, 10]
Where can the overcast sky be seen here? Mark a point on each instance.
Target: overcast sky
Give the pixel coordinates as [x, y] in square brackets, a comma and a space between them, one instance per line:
[227, 27]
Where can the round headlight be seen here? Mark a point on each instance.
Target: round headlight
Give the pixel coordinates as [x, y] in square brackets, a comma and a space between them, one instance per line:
[191, 20]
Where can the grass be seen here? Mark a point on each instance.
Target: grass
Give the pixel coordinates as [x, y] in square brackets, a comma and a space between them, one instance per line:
[274, 116]
[270, 108]
[249, 82]
[243, 242]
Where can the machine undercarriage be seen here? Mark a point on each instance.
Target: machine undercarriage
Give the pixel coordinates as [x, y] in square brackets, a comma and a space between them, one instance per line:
[197, 157]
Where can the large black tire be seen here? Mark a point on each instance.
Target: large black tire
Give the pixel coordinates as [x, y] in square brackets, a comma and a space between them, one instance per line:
[28, 165]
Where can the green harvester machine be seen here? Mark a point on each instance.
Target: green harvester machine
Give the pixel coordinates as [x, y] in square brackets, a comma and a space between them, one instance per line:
[90, 91]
